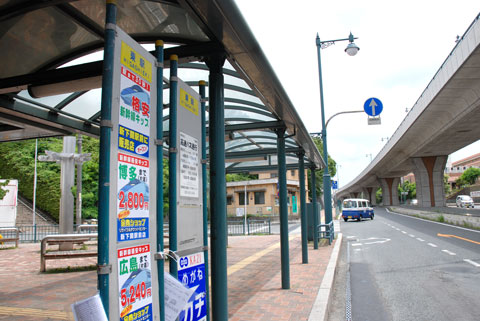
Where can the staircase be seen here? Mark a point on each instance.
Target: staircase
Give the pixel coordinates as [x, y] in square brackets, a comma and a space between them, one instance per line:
[24, 214]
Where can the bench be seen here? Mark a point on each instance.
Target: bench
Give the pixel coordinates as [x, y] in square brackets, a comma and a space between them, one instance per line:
[325, 231]
[9, 230]
[61, 239]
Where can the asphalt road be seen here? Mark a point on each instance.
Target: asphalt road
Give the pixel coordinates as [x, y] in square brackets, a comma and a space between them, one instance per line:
[402, 268]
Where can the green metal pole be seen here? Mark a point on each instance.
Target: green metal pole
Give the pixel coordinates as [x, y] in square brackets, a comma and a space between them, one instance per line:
[315, 209]
[282, 183]
[303, 207]
[104, 166]
[327, 190]
[218, 190]
[172, 162]
[160, 245]
[201, 86]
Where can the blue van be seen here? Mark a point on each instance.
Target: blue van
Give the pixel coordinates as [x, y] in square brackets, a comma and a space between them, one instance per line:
[356, 209]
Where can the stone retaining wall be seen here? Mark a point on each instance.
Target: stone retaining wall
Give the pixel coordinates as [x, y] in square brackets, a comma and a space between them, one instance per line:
[464, 220]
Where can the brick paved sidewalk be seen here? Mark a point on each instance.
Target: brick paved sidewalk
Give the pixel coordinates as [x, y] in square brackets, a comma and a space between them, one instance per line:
[254, 282]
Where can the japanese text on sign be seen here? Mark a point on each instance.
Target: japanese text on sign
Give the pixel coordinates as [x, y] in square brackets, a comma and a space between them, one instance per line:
[188, 102]
[189, 163]
[133, 141]
[135, 283]
[136, 62]
[191, 273]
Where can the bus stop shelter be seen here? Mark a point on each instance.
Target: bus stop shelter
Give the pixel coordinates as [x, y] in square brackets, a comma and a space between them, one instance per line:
[51, 84]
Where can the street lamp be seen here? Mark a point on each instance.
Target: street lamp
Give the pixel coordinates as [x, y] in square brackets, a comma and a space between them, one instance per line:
[351, 50]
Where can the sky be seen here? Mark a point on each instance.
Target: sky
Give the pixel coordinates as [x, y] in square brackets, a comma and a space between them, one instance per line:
[402, 45]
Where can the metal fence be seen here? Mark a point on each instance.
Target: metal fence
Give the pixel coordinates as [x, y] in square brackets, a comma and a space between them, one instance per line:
[35, 233]
[253, 226]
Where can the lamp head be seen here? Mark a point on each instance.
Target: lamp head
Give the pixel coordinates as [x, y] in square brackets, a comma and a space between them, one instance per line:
[352, 48]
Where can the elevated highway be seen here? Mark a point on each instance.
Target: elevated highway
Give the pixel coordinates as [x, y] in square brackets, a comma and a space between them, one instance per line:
[444, 119]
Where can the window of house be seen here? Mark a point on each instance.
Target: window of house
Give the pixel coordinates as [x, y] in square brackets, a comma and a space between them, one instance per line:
[259, 197]
[229, 199]
[241, 198]
[292, 172]
[273, 175]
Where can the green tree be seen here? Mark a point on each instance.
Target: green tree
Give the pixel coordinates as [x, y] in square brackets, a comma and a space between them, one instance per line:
[379, 195]
[470, 175]
[18, 161]
[446, 185]
[240, 177]
[410, 188]
[332, 169]
[3, 192]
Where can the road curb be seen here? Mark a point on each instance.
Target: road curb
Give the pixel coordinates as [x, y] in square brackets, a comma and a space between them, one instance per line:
[320, 307]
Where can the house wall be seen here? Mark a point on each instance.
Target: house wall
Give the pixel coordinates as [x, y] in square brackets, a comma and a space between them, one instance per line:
[266, 183]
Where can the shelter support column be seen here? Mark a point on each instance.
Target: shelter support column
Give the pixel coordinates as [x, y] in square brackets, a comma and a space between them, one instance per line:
[303, 207]
[218, 189]
[104, 157]
[429, 172]
[315, 208]
[390, 190]
[159, 54]
[282, 183]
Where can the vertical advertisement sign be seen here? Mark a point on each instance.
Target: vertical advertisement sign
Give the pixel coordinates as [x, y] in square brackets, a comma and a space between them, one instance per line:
[133, 198]
[191, 267]
[191, 273]
[189, 208]
[133, 142]
[134, 283]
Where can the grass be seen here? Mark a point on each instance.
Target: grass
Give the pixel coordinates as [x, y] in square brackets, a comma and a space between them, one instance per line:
[70, 269]
[8, 247]
[442, 219]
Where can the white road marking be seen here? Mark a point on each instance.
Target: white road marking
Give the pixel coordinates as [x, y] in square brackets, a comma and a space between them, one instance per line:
[404, 232]
[448, 252]
[472, 262]
[432, 245]
[421, 240]
[356, 244]
[411, 235]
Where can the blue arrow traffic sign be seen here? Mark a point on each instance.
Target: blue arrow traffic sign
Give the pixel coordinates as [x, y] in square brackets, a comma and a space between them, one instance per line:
[334, 184]
[373, 106]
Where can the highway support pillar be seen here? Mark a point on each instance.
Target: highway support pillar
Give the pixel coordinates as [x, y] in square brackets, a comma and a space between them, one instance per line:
[159, 149]
[303, 206]
[104, 157]
[315, 209]
[370, 194]
[282, 183]
[172, 163]
[218, 189]
[390, 190]
[429, 173]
